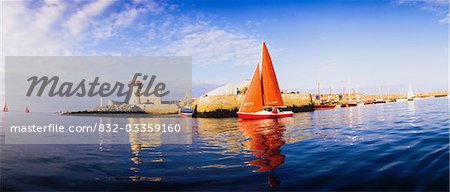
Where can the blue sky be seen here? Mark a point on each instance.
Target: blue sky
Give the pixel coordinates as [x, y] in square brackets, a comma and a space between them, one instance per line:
[362, 43]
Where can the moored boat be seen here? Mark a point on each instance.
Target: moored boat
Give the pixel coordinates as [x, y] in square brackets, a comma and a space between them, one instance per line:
[377, 101]
[186, 112]
[355, 103]
[325, 106]
[5, 108]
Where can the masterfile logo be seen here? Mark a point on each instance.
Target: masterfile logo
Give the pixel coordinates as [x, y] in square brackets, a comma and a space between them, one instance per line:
[94, 88]
[77, 83]
[133, 89]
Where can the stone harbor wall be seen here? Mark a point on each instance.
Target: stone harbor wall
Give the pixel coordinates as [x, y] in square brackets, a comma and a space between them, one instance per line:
[159, 109]
[124, 108]
[130, 108]
[220, 106]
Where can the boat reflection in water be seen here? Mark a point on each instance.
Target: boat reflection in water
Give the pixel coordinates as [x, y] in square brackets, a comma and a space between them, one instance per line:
[265, 139]
[151, 141]
[257, 142]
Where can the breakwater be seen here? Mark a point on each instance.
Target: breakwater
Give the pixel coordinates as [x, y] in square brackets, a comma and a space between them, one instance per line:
[220, 106]
[123, 108]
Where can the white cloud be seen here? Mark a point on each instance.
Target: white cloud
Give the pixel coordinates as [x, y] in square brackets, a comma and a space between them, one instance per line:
[57, 28]
[109, 27]
[440, 7]
[46, 28]
[206, 43]
[445, 20]
[426, 2]
[62, 28]
[30, 32]
[210, 45]
[81, 19]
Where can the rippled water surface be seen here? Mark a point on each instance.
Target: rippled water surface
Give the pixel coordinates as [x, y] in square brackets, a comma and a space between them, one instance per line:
[393, 146]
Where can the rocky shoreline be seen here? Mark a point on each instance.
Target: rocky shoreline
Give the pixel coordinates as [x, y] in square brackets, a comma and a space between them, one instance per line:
[111, 109]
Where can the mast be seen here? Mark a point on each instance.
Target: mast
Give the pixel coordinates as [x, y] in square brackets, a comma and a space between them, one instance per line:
[330, 96]
[318, 88]
[410, 92]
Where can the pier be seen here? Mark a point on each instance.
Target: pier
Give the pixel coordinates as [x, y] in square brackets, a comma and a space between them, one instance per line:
[220, 106]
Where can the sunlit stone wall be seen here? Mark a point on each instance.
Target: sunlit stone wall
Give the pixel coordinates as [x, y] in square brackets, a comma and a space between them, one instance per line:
[227, 105]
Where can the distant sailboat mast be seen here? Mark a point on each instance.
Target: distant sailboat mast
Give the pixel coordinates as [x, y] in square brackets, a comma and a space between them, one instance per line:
[318, 88]
[331, 93]
[410, 94]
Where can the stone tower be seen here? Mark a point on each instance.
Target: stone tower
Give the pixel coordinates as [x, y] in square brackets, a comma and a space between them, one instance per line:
[135, 98]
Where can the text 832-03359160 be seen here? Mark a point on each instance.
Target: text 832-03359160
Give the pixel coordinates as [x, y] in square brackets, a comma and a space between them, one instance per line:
[98, 127]
[146, 128]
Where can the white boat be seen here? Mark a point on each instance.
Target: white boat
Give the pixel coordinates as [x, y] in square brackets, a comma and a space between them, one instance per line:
[186, 112]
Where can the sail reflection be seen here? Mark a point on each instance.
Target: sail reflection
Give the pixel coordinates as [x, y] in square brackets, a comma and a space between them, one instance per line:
[265, 142]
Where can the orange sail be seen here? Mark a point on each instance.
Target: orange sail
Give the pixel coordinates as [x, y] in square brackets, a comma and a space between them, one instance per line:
[272, 95]
[5, 108]
[253, 101]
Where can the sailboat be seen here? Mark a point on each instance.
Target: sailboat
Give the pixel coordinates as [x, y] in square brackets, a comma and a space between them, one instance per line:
[410, 95]
[328, 103]
[263, 98]
[5, 108]
[186, 109]
[27, 110]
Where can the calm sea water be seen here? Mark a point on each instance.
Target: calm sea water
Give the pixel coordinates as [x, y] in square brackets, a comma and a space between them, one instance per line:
[393, 146]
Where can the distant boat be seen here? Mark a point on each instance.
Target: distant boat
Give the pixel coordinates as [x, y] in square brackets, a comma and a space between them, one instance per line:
[5, 108]
[379, 101]
[186, 112]
[355, 103]
[327, 106]
[354, 99]
[410, 95]
[27, 110]
[263, 98]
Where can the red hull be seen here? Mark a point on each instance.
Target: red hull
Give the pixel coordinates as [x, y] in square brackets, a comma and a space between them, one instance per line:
[185, 114]
[330, 106]
[264, 116]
